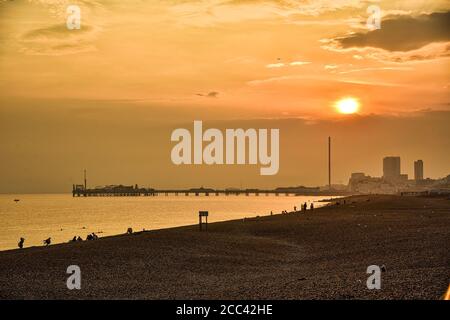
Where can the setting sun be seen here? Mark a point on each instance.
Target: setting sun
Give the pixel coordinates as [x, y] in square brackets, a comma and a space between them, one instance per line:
[347, 106]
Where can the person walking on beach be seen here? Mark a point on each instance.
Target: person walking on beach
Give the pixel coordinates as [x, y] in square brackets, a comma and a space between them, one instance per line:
[21, 241]
[311, 206]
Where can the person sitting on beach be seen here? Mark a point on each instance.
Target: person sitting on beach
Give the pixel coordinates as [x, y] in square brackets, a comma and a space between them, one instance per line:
[129, 230]
[295, 209]
[47, 242]
[89, 237]
[79, 239]
[74, 239]
[94, 236]
[20, 244]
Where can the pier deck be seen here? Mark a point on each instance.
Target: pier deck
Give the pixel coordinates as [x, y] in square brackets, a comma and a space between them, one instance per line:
[130, 191]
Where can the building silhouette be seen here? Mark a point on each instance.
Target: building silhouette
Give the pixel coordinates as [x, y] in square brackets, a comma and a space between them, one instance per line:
[391, 168]
[394, 182]
[418, 170]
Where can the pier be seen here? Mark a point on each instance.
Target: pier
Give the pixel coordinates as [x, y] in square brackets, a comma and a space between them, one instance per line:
[136, 191]
[82, 190]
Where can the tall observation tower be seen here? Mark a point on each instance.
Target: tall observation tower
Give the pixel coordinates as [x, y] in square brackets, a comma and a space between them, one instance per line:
[329, 163]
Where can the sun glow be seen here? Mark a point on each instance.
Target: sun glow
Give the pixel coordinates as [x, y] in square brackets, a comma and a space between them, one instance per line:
[347, 106]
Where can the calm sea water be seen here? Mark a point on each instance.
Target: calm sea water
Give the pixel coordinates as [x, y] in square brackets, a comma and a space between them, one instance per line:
[61, 217]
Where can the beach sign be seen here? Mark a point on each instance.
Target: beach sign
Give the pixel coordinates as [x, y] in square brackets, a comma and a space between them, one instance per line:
[202, 214]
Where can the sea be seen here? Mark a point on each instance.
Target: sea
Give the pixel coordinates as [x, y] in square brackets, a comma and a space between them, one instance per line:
[36, 217]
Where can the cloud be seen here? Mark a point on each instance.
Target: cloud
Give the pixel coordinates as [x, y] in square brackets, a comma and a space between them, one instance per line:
[55, 32]
[400, 39]
[309, 78]
[212, 12]
[59, 40]
[275, 65]
[428, 52]
[282, 64]
[403, 33]
[212, 94]
[330, 66]
[47, 34]
[299, 63]
[377, 69]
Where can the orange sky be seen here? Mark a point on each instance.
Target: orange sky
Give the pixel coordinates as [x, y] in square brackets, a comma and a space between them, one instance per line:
[220, 60]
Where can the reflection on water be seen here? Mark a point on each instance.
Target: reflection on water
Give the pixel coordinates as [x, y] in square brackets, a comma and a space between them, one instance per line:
[61, 217]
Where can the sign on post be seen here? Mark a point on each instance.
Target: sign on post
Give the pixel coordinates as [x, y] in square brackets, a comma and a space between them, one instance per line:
[202, 214]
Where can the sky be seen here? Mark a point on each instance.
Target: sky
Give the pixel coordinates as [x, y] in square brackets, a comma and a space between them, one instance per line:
[106, 97]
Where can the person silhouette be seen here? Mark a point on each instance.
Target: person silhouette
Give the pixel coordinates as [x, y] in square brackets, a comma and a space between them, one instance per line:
[21, 241]
[48, 241]
[311, 206]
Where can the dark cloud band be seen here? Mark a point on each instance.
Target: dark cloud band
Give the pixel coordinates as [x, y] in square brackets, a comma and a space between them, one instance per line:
[403, 33]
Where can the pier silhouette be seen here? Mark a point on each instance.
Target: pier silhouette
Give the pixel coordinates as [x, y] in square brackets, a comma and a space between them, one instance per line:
[81, 190]
[136, 191]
